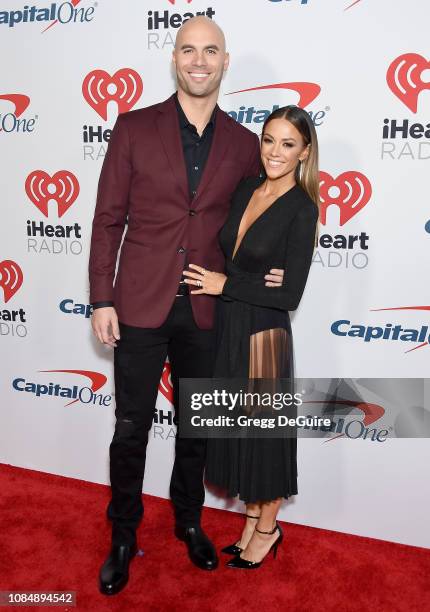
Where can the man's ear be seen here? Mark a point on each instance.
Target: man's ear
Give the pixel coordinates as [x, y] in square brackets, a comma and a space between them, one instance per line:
[226, 61]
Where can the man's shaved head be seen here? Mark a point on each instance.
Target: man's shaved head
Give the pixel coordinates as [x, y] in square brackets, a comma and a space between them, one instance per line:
[200, 57]
[203, 26]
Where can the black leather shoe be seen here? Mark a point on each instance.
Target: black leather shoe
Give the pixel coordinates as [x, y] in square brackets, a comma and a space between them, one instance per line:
[239, 563]
[114, 571]
[234, 549]
[200, 549]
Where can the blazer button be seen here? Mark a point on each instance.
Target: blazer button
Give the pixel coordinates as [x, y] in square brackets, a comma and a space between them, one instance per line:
[181, 250]
[192, 213]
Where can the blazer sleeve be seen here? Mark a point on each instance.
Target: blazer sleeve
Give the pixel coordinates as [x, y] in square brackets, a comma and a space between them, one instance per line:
[298, 261]
[254, 163]
[110, 215]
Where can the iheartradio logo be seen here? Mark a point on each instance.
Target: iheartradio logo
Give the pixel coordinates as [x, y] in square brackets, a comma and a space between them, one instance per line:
[124, 87]
[11, 278]
[62, 187]
[404, 78]
[165, 386]
[353, 193]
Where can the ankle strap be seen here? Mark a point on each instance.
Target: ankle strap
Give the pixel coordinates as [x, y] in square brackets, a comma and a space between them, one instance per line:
[268, 532]
[250, 516]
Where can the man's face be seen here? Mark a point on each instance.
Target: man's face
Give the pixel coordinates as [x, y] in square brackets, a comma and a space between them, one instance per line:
[200, 59]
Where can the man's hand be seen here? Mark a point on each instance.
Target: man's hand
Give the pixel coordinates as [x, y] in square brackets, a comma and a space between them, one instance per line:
[274, 278]
[104, 322]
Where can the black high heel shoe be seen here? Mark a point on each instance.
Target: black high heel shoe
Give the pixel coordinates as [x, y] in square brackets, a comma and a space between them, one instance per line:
[238, 562]
[233, 549]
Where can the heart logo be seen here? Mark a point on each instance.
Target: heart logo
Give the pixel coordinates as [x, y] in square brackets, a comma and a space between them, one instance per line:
[165, 386]
[404, 78]
[63, 187]
[355, 191]
[124, 87]
[11, 278]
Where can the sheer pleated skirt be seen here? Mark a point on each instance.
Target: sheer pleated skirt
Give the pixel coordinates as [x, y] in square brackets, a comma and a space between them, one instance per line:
[259, 469]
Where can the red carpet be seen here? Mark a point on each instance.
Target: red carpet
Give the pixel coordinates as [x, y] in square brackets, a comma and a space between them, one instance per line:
[54, 537]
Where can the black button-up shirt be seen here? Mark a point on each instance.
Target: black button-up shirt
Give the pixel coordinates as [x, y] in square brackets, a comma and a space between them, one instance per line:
[196, 148]
[196, 152]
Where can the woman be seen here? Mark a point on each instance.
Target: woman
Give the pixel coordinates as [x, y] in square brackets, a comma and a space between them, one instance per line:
[271, 224]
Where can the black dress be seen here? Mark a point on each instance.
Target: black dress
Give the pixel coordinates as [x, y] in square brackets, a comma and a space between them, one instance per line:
[254, 334]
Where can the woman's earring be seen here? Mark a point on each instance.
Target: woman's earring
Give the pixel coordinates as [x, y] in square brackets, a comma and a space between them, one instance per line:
[301, 170]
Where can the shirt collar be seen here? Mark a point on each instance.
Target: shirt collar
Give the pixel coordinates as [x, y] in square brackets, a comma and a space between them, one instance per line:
[183, 120]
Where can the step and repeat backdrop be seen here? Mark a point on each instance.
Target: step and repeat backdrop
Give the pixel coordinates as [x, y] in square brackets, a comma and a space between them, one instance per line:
[361, 69]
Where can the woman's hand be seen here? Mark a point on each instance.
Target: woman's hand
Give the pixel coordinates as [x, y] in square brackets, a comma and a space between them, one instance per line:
[211, 283]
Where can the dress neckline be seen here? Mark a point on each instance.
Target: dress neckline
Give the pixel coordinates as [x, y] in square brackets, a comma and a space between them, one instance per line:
[237, 246]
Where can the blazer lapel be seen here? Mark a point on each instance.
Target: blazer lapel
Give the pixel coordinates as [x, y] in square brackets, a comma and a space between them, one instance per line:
[168, 127]
[220, 143]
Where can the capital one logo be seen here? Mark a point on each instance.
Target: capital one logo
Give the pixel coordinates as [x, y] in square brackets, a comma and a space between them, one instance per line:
[19, 101]
[351, 5]
[62, 188]
[85, 394]
[11, 278]
[307, 91]
[350, 192]
[10, 121]
[415, 308]
[63, 13]
[357, 428]
[124, 87]
[404, 78]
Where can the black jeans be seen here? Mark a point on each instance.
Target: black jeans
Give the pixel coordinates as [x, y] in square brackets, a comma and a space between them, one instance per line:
[138, 363]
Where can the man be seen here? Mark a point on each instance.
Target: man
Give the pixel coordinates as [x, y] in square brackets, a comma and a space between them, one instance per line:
[169, 172]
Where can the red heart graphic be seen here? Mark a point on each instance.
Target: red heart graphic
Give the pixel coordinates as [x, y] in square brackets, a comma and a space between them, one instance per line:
[165, 386]
[128, 89]
[65, 193]
[11, 278]
[355, 191]
[404, 78]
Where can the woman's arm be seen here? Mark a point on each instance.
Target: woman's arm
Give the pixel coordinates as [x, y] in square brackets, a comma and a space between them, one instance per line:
[298, 259]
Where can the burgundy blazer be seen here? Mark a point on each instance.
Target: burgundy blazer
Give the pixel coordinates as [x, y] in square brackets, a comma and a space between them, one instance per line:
[144, 178]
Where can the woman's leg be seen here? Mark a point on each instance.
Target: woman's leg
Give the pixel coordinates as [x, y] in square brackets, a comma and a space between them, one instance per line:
[268, 358]
[252, 510]
[260, 543]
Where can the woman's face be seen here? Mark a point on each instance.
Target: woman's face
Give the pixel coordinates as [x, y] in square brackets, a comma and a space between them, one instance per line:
[282, 147]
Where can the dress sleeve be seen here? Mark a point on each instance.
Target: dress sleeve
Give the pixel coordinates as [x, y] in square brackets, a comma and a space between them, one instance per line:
[298, 261]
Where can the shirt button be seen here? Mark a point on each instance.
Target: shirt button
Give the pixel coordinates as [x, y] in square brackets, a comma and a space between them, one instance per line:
[181, 250]
[196, 167]
[193, 193]
[192, 213]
